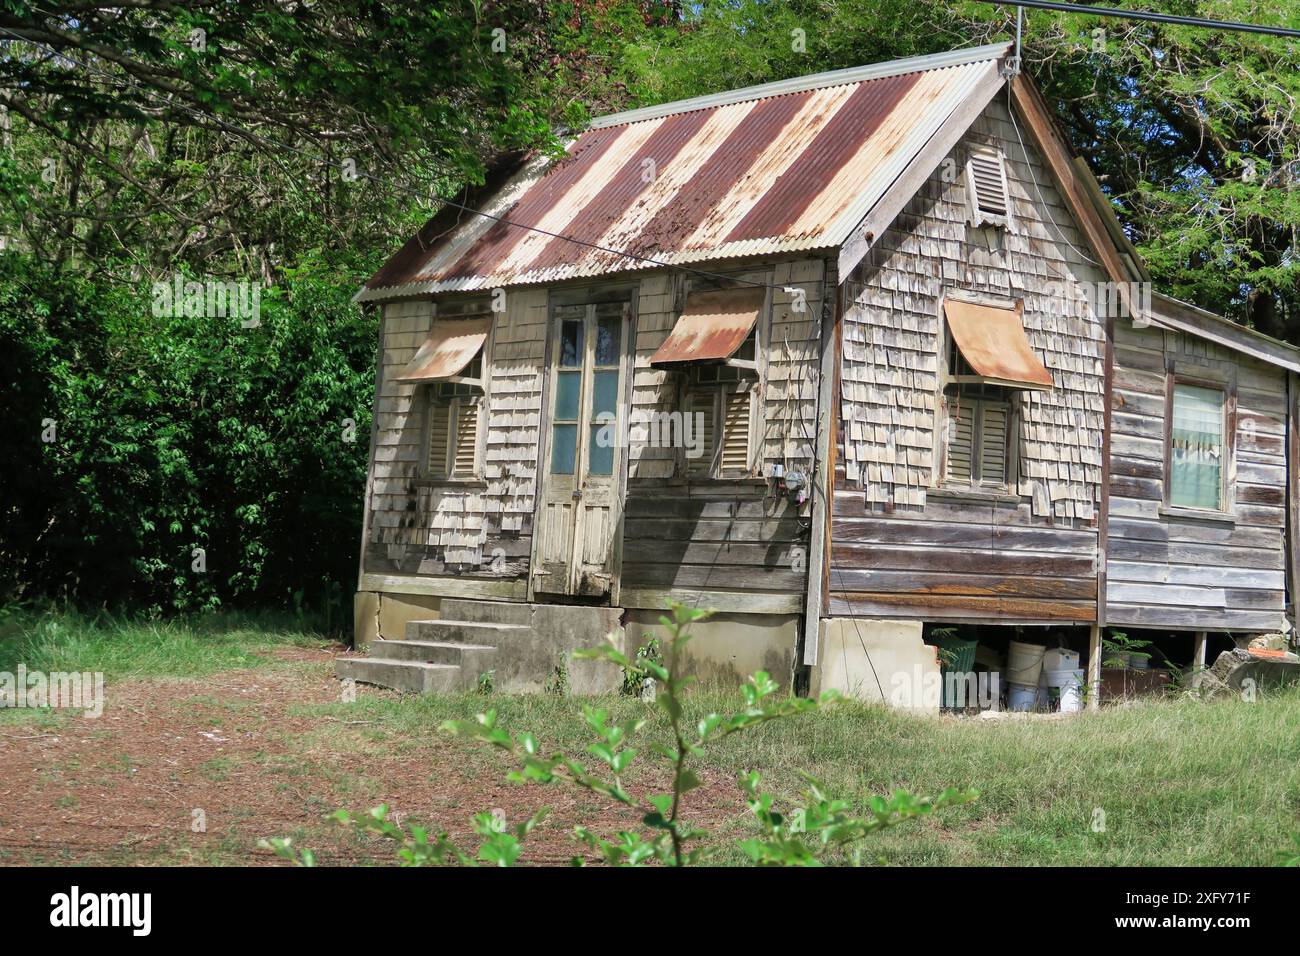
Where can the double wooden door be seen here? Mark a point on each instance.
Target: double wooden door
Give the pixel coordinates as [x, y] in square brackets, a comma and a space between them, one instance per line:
[584, 451]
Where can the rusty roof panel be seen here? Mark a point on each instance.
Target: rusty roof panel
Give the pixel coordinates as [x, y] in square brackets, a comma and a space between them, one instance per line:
[712, 326]
[993, 343]
[449, 348]
[850, 127]
[622, 189]
[786, 167]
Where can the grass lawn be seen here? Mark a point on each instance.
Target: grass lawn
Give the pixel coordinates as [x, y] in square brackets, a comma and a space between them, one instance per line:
[246, 721]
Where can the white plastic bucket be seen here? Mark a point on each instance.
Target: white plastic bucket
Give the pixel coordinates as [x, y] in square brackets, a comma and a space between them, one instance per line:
[1067, 684]
[1025, 663]
[1021, 697]
[1060, 659]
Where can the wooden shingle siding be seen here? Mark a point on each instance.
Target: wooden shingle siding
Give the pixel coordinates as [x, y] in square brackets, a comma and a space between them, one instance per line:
[1172, 571]
[684, 534]
[900, 547]
[480, 527]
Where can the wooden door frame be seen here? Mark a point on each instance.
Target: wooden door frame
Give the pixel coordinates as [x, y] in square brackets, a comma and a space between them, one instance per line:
[585, 294]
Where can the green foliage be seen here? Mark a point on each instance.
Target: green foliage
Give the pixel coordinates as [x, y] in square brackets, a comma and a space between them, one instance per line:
[500, 843]
[136, 438]
[1118, 648]
[636, 680]
[487, 681]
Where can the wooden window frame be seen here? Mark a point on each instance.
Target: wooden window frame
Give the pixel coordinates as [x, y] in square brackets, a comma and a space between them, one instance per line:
[465, 389]
[1225, 381]
[1009, 451]
[720, 391]
[751, 374]
[976, 216]
[945, 379]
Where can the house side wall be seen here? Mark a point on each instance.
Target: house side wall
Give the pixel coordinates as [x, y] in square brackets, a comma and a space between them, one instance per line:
[900, 547]
[1177, 572]
[725, 544]
[477, 532]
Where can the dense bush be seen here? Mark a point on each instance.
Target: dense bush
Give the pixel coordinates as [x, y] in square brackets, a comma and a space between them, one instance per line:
[132, 439]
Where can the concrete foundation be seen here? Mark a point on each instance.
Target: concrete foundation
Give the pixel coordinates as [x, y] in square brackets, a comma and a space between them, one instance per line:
[726, 648]
[378, 614]
[526, 647]
[878, 661]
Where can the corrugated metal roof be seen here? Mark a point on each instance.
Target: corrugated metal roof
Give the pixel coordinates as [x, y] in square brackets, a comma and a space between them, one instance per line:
[782, 167]
[712, 326]
[994, 344]
[450, 347]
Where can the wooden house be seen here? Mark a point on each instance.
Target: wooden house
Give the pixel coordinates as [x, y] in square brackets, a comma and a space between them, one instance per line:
[845, 358]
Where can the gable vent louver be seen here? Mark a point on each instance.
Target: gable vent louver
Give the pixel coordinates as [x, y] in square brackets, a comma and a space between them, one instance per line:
[986, 178]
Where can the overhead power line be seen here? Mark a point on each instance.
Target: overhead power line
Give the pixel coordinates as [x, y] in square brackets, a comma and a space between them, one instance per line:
[1147, 15]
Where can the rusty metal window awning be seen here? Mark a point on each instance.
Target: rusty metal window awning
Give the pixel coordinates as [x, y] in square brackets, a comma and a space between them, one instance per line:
[712, 327]
[450, 347]
[993, 343]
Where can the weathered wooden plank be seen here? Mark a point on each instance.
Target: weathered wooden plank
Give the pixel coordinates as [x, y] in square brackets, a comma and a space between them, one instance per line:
[1191, 574]
[989, 537]
[1147, 489]
[1138, 426]
[1177, 552]
[650, 532]
[1136, 468]
[948, 582]
[721, 576]
[1271, 495]
[1192, 619]
[1153, 593]
[949, 607]
[741, 602]
[1193, 531]
[667, 505]
[495, 590]
[849, 557]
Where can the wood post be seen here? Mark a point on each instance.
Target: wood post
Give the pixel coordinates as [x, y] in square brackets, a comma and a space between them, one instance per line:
[1094, 667]
[1198, 658]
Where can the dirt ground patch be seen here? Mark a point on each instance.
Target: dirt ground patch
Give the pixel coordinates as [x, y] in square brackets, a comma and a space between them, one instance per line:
[182, 772]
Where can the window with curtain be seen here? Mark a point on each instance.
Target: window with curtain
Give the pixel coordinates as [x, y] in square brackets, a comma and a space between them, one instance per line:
[1196, 448]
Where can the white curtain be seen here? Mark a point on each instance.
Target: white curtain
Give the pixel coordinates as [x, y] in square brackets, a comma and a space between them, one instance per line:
[1196, 455]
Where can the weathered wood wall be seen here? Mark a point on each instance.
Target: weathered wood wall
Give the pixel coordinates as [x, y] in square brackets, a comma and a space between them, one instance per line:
[901, 548]
[725, 544]
[682, 537]
[479, 529]
[1178, 572]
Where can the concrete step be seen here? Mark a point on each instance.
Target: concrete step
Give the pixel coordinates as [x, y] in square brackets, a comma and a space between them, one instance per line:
[414, 677]
[487, 612]
[455, 631]
[474, 658]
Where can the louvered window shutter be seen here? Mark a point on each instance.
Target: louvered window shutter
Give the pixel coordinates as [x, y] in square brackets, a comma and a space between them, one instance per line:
[993, 443]
[701, 406]
[467, 419]
[961, 439]
[988, 182]
[735, 432]
[439, 436]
